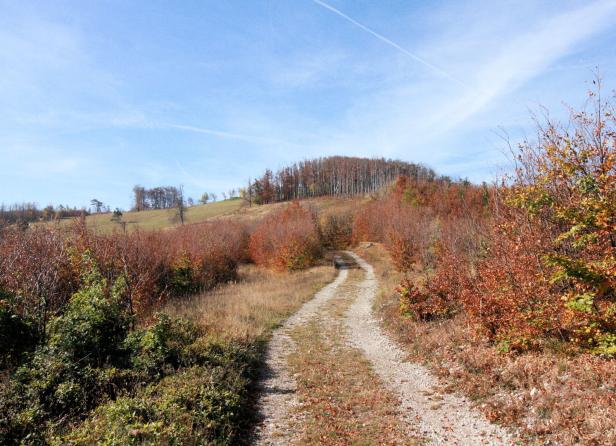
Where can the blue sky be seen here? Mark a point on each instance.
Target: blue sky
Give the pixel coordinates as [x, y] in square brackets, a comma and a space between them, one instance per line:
[96, 96]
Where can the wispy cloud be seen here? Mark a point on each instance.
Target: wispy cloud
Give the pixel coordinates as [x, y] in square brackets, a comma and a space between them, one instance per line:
[532, 53]
[391, 43]
[423, 120]
[228, 135]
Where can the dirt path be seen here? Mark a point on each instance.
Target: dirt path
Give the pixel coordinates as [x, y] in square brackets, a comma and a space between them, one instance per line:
[333, 377]
[443, 418]
[278, 389]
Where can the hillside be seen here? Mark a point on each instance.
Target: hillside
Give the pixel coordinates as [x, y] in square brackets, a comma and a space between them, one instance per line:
[163, 218]
[235, 209]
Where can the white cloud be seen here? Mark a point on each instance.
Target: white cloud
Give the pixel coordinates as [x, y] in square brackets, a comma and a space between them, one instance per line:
[418, 120]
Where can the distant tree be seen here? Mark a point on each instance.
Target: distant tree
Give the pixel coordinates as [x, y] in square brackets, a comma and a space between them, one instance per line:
[117, 215]
[213, 196]
[204, 198]
[243, 194]
[224, 195]
[48, 213]
[97, 205]
[190, 202]
[180, 206]
[335, 176]
[139, 200]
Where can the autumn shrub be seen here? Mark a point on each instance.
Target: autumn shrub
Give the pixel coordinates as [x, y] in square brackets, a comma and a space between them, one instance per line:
[439, 294]
[208, 253]
[435, 232]
[159, 265]
[409, 236]
[42, 267]
[287, 239]
[369, 221]
[550, 272]
[36, 269]
[425, 302]
[336, 230]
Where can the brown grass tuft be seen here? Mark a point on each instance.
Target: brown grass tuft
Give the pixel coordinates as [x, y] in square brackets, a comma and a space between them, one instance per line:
[254, 304]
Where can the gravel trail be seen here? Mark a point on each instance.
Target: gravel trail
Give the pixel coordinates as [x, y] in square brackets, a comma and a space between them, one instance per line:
[438, 418]
[280, 423]
[444, 419]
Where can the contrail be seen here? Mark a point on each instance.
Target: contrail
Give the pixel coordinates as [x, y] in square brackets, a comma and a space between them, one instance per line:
[212, 132]
[389, 42]
[229, 135]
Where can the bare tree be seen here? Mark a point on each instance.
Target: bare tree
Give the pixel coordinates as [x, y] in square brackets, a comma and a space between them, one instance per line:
[180, 206]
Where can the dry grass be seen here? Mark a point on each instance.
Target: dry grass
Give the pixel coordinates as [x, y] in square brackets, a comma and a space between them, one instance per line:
[344, 400]
[324, 205]
[158, 218]
[256, 303]
[552, 398]
[234, 208]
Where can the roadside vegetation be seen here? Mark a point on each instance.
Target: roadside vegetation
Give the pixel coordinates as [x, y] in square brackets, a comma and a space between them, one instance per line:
[509, 291]
[90, 353]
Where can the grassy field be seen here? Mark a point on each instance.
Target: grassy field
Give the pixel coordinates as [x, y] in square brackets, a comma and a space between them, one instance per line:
[161, 218]
[236, 208]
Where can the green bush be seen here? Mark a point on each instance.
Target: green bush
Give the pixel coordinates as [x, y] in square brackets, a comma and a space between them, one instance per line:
[182, 276]
[337, 230]
[166, 384]
[161, 348]
[78, 366]
[17, 335]
[201, 404]
[196, 406]
[94, 324]
[197, 385]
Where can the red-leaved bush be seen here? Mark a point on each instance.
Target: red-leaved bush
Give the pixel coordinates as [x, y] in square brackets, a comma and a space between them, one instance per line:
[42, 267]
[287, 239]
[531, 262]
[550, 272]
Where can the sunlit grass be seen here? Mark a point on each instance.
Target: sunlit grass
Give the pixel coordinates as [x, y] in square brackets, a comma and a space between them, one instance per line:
[160, 218]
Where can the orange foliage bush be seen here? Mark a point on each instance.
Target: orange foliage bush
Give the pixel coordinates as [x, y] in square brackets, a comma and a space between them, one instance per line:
[551, 270]
[532, 261]
[36, 266]
[336, 230]
[288, 239]
[42, 267]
